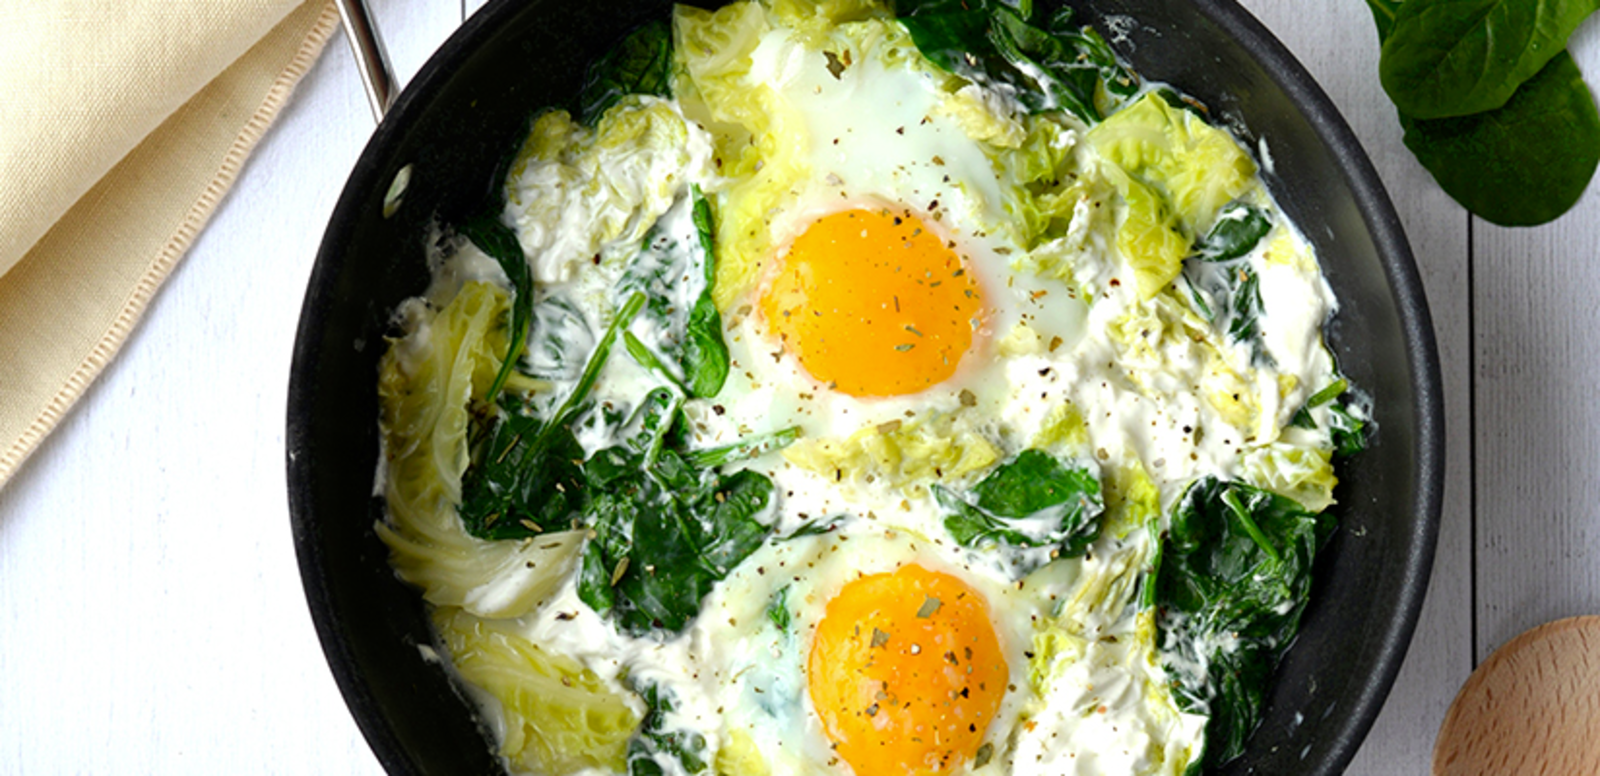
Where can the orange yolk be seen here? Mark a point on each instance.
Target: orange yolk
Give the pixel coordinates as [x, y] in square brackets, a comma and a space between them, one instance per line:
[873, 303]
[906, 672]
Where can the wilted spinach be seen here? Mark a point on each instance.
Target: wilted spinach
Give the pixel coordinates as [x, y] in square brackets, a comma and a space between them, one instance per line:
[1238, 229]
[1521, 137]
[1349, 431]
[524, 482]
[1232, 580]
[640, 64]
[494, 238]
[664, 535]
[524, 477]
[692, 342]
[654, 742]
[1031, 501]
[1234, 289]
[1052, 63]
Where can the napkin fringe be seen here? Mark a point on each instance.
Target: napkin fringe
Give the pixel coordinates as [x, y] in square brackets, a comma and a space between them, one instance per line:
[167, 258]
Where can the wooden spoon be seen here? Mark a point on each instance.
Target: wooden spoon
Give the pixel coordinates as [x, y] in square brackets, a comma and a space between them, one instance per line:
[1532, 707]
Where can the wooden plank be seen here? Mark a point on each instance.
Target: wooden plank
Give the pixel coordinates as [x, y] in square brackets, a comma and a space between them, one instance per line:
[1537, 489]
[1337, 43]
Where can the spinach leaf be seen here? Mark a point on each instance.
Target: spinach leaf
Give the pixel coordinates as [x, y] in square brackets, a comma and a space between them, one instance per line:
[1302, 416]
[1244, 311]
[778, 610]
[497, 240]
[1448, 58]
[655, 743]
[705, 356]
[1383, 15]
[1233, 578]
[640, 64]
[523, 482]
[1053, 67]
[667, 266]
[664, 535]
[1031, 501]
[1523, 164]
[1349, 432]
[664, 531]
[523, 477]
[1234, 289]
[559, 339]
[1238, 229]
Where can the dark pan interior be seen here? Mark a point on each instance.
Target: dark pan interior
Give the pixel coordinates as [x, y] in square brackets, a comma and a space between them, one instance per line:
[470, 106]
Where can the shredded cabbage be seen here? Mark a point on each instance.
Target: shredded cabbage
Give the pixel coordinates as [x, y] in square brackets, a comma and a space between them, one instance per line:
[739, 756]
[1148, 238]
[1062, 428]
[755, 146]
[1132, 498]
[934, 448]
[1303, 474]
[573, 193]
[814, 19]
[1197, 167]
[426, 385]
[558, 717]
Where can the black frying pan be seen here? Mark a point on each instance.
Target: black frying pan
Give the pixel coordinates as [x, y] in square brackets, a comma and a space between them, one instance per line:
[469, 108]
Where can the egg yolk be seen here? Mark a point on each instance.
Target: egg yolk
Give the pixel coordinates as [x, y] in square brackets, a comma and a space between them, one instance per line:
[905, 672]
[873, 303]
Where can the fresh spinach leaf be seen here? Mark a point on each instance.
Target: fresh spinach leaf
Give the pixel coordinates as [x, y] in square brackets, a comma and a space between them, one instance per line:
[1523, 164]
[1054, 67]
[1448, 58]
[494, 238]
[1233, 579]
[1238, 229]
[640, 64]
[1383, 15]
[1031, 501]
[655, 742]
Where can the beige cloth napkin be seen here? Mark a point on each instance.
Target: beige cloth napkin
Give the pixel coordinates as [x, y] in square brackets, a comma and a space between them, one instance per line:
[122, 125]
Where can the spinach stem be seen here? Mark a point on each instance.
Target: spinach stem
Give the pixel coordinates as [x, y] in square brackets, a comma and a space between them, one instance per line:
[1328, 394]
[591, 370]
[1231, 498]
[641, 353]
[748, 447]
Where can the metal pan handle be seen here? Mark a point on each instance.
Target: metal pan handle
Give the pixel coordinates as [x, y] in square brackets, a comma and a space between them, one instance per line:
[376, 74]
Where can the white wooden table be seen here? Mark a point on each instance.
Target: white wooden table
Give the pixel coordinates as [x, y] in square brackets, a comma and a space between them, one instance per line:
[151, 613]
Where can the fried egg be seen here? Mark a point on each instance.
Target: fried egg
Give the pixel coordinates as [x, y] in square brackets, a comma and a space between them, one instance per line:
[888, 287]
